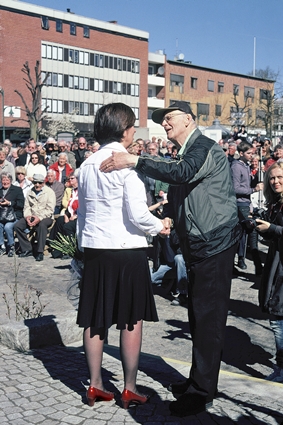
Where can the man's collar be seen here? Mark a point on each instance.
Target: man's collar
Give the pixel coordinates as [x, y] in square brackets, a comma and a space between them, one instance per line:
[181, 151]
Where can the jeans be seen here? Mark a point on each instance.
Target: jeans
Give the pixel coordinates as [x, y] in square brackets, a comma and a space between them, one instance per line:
[277, 327]
[8, 228]
[180, 270]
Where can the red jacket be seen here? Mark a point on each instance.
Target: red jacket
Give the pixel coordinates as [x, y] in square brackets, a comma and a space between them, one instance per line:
[54, 166]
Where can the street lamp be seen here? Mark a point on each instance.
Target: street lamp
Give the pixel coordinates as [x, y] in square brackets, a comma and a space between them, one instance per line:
[3, 123]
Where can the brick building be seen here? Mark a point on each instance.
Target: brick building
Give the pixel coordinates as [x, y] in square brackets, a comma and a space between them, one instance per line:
[90, 63]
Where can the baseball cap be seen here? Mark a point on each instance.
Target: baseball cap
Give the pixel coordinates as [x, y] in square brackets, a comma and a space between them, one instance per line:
[158, 114]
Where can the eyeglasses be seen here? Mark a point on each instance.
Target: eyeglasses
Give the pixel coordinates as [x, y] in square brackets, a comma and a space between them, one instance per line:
[168, 118]
[21, 173]
[37, 183]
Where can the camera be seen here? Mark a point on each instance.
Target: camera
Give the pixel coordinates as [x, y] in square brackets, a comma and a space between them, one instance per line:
[32, 219]
[250, 224]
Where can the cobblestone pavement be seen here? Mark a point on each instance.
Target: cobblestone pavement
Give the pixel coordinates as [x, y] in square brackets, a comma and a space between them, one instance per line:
[46, 385]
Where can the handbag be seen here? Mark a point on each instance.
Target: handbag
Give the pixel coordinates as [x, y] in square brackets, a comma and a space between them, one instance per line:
[7, 215]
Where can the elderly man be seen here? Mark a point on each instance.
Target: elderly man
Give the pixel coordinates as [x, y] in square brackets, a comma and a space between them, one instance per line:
[80, 152]
[202, 204]
[38, 216]
[62, 147]
[57, 187]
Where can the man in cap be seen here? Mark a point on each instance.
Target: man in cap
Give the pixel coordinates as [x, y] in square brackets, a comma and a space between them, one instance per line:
[38, 216]
[202, 204]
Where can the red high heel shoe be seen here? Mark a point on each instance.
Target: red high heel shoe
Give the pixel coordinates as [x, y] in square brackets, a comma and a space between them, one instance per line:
[94, 394]
[128, 397]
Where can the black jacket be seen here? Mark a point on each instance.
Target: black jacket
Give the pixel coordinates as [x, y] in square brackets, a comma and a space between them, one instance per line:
[16, 197]
[201, 197]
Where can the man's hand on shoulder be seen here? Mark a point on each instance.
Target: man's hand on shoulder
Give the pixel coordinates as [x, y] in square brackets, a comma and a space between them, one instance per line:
[117, 161]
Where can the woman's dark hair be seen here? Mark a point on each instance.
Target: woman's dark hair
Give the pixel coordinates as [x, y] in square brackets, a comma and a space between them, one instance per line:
[38, 156]
[111, 121]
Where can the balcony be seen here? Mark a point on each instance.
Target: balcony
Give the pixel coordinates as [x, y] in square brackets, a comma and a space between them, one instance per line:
[153, 102]
[153, 80]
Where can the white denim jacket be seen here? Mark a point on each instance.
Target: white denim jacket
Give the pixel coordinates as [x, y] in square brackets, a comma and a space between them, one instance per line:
[112, 213]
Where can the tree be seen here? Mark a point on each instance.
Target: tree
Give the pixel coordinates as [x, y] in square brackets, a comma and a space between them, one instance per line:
[34, 114]
[54, 127]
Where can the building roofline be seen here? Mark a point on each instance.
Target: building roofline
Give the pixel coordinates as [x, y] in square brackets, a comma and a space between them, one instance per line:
[219, 71]
[52, 14]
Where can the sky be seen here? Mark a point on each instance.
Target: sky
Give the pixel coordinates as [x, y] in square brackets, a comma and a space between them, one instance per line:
[219, 34]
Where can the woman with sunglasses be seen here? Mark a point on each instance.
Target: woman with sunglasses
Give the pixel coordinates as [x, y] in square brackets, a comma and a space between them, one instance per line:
[22, 180]
[36, 166]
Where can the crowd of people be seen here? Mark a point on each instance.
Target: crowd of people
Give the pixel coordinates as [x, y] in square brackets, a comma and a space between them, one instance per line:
[190, 199]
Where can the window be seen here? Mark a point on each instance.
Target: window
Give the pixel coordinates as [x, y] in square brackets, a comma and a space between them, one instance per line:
[128, 89]
[86, 31]
[86, 58]
[55, 52]
[111, 62]
[115, 63]
[60, 80]
[73, 29]
[236, 89]
[44, 23]
[91, 109]
[49, 80]
[194, 82]
[96, 60]
[43, 50]
[60, 53]
[264, 94]
[202, 109]
[124, 88]
[81, 58]
[49, 105]
[250, 113]
[110, 86]
[96, 85]
[150, 93]
[218, 110]
[119, 88]
[91, 59]
[137, 90]
[81, 83]
[71, 55]
[54, 106]
[260, 115]
[100, 85]
[124, 64]
[60, 106]
[249, 92]
[176, 80]
[59, 25]
[220, 87]
[106, 86]
[210, 85]
[71, 82]
[81, 108]
[132, 89]
[86, 109]
[76, 56]
[150, 70]
[136, 112]
[71, 107]
[114, 87]
[42, 75]
[91, 83]
[119, 64]
[129, 65]
[137, 67]
[76, 82]
[49, 52]
[54, 79]
[65, 106]
[86, 83]
[101, 61]
[106, 61]
[66, 80]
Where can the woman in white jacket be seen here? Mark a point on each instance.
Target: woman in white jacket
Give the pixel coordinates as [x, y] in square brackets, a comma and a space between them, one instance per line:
[112, 221]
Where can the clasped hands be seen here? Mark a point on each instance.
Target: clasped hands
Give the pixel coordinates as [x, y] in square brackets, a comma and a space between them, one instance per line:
[166, 227]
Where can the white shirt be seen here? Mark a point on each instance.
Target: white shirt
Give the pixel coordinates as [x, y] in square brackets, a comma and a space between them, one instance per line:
[112, 206]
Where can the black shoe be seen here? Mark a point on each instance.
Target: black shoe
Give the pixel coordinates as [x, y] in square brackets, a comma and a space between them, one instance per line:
[11, 251]
[65, 257]
[241, 263]
[25, 254]
[179, 387]
[189, 404]
[39, 257]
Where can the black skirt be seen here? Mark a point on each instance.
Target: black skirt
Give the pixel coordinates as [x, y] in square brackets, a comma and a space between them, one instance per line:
[116, 289]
